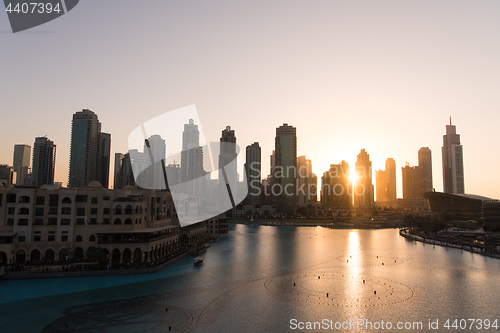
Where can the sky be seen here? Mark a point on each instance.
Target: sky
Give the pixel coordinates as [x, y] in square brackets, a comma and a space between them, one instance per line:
[384, 76]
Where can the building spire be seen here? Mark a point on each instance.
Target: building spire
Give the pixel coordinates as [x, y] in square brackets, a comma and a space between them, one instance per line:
[450, 120]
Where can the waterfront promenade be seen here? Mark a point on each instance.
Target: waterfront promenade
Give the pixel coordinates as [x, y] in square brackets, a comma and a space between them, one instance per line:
[432, 239]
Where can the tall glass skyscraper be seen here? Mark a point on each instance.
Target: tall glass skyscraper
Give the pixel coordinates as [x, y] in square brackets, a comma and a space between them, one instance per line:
[22, 156]
[286, 169]
[90, 151]
[453, 162]
[253, 170]
[44, 161]
[363, 191]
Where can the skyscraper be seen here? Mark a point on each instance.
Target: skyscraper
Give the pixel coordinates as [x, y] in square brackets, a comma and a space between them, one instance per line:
[227, 154]
[363, 192]
[307, 182]
[123, 174]
[453, 163]
[425, 166]
[22, 156]
[90, 151]
[336, 187]
[44, 161]
[253, 170]
[104, 158]
[191, 157]
[285, 169]
[410, 181]
[386, 182]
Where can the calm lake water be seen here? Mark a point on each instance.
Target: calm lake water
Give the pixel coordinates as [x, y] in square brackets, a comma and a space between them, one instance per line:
[268, 279]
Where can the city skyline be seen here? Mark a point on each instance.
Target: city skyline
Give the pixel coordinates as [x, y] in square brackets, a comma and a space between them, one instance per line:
[423, 176]
[340, 72]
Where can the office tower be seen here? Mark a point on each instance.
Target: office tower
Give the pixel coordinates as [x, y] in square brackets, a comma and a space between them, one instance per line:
[411, 176]
[307, 183]
[285, 169]
[228, 173]
[453, 163]
[155, 149]
[103, 159]
[22, 156]
[380, 181]
[191, 157]
[44, 161]
[117, 184]
[123, 174]
[425, 166]
[363, 191]
[390, 178]
[386, 182]
[90, 151]
[336, 187]
[253, 170]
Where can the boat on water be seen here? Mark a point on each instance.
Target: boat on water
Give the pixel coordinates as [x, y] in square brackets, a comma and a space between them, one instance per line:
[198, 261]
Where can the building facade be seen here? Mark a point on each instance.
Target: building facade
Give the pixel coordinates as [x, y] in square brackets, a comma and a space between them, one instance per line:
[43, 224]
[307, 183]
[90, 149]
[21, 163]
[253, 171]
[286, 169]
[453, 162]
[363, 190]
[44, 162]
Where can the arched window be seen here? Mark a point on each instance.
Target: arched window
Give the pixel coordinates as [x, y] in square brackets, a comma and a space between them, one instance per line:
[128, 209]
[118, 209]
[117, 221]
[128, 221]
[24, 199]
[66, 200]
[78, 238]
[92, 238]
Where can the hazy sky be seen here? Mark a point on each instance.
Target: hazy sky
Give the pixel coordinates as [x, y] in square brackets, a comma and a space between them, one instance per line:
[380, 75]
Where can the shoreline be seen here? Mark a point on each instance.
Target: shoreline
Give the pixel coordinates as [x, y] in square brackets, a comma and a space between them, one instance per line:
[404, 233]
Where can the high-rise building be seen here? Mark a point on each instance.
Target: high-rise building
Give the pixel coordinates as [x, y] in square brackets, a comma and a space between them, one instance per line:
[386, 182]
[390, 178]
[253, 170]
[363, 191]
[411, 176]
[417, 180]
[307, 183]
[90, 151]
[285, 169]
[44, 161]
[155, 149]
[123, 174]
[425, 166]
[228, 173]
[103, 159]
[381, 183]
[453, 162]
[22, 156]
[191, 157]
[336, 187]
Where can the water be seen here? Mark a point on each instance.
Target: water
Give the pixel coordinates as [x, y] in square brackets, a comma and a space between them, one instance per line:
[261, 277]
